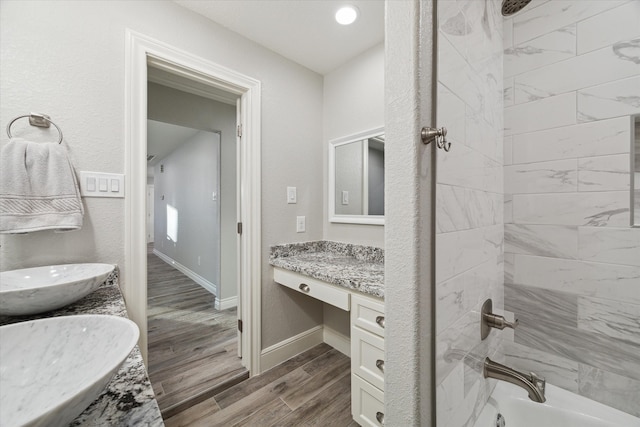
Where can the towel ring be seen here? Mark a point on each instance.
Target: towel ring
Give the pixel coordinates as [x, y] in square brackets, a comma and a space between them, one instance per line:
[36, 119]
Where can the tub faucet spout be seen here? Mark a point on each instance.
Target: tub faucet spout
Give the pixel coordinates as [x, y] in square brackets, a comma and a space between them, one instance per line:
[533, 384]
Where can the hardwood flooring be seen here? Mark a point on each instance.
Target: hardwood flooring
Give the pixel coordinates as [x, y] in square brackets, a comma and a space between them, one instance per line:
[193, 352]
[310, 389]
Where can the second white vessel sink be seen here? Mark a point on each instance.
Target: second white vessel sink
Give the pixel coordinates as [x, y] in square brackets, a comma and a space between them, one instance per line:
[52, 369]
[39, 289]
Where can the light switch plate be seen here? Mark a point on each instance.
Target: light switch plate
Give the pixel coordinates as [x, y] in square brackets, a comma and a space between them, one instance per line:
[292, 196]
[100, 184]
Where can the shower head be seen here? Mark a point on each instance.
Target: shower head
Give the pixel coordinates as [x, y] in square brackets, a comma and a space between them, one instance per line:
[509, 7]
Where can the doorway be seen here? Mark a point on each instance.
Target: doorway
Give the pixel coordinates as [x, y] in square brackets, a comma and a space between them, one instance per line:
[191, 328]
[143, 55]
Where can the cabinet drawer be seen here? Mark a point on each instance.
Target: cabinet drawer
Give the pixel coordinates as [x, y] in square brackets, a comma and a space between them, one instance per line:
[314, 288]
[367, 403]
[367, 356]
[368, 314]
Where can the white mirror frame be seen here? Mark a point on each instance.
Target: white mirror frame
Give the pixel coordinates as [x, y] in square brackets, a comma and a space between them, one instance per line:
[348, 219]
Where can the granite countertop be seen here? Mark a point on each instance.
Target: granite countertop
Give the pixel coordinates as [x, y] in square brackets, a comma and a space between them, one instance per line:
[128, 400]
[356, 267]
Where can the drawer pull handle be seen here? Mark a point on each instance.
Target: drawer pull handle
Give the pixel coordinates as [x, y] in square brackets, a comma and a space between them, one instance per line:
[380, 364]
[380, 321]
[380, 417]
[304, 287]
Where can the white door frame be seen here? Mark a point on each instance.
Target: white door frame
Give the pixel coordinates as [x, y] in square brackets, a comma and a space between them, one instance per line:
[142, 51]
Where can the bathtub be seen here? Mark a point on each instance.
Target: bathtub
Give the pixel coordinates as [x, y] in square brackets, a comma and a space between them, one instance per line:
[562, 409]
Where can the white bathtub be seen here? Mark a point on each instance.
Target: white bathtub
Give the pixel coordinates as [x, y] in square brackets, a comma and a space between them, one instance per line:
[562, 409]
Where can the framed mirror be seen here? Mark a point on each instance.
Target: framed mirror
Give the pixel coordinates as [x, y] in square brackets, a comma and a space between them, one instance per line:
[635, 169]
[356, 178]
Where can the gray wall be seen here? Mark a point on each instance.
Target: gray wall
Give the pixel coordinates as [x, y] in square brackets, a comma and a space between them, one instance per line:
[67, 59]
[353, 102]
[349, 170]
[191, 174]
[185, 109]
[572, 263]
[376, 182]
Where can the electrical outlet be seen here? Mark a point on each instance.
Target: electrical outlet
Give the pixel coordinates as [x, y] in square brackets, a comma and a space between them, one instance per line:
[301, 226]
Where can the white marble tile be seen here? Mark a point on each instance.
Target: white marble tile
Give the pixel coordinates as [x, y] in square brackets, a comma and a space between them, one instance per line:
[451, 113]
[544, 50]
[604, 29]
[481, 281]
[454, 343]
[468, 168]
[557, 176]
[451, 212]
[546, 113]
[580, 72]
[483, 209]
[509, 267]
[507, 35]
[533, 22]
[601, 209]
[614, 318]
[542, 240]
[450, 397]
[459, 251]
[578, 277]
[557, 370]
[604, 173]
[508, 95]
[508, 151]
[455, 73]
[483, 136]
[614, 390]
[619, 98]
[610, 245]
[450, 302]
[582, 140]
[508, 208]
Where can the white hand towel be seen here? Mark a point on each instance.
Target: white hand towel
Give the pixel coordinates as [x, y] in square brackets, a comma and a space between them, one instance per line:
[38, 188]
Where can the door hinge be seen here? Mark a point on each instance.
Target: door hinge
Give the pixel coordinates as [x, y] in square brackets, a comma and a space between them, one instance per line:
[240, 325]
[239, 228]
[239, 130]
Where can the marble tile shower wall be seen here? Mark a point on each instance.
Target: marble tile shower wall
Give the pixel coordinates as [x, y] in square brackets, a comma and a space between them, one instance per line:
[469, 203]
[572, 263]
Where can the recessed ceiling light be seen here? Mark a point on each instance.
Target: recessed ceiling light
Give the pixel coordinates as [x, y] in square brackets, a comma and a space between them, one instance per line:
[347, 15]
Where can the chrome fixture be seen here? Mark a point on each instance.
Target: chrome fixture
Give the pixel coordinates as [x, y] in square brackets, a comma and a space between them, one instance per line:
[36, 119]
[533, 384]
[429, 135]
[489, 320]
[509, 7]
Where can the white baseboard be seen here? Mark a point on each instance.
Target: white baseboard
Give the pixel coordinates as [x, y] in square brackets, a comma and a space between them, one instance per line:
[223, 304]
[336, 340]
[187, 272]
[278, 353]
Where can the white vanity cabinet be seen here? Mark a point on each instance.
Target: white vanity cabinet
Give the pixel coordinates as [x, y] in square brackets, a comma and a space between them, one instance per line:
[367, 341]
[367, 360]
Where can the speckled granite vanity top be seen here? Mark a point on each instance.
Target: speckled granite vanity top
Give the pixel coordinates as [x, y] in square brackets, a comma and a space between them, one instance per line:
[356, 267]
[128, 400]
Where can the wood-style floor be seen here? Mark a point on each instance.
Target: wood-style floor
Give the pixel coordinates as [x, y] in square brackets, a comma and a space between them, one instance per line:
[193, 352]
[311, 389]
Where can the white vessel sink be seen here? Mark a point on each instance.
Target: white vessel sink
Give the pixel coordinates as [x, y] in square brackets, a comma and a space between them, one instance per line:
[52, 369]
[40, 289]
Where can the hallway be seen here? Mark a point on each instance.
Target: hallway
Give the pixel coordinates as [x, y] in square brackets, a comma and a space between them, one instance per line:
[192, 347]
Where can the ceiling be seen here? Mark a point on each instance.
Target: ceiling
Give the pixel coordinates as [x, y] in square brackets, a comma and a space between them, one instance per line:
[162, 139]
[303, 31]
